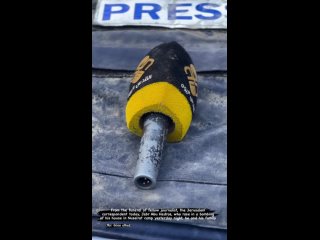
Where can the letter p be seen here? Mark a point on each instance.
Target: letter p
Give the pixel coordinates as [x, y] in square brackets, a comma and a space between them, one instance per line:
[120, 8]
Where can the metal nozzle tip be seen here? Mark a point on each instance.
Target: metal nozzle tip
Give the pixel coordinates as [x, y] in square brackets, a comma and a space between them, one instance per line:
[144, 182]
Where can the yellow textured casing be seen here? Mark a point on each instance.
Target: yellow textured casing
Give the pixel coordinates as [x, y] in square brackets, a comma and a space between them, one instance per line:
[164, 98]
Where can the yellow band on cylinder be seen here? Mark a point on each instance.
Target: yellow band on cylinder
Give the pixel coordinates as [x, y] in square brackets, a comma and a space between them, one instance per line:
[164, 98]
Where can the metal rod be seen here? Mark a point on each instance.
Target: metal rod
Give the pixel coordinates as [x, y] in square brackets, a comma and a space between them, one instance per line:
[155, 129]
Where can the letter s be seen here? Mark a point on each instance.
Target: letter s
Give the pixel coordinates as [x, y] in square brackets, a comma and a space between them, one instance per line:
[201, 8]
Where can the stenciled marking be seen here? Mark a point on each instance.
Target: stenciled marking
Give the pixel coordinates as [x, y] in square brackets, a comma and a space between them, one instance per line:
[136, 86]
[187, 92]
